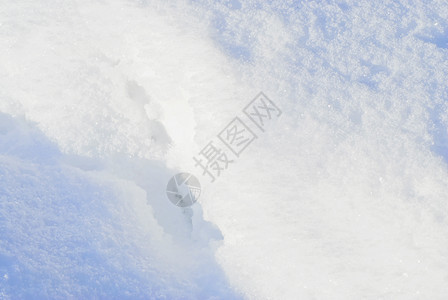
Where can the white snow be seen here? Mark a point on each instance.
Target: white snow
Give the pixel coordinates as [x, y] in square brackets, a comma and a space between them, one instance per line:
[343, 197]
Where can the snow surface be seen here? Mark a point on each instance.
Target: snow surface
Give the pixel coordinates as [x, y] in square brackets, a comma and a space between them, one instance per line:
[343, 197]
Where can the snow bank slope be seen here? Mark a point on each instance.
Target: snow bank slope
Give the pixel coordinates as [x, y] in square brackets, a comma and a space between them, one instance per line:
[68, 232]
[84, 167]
[343, 197]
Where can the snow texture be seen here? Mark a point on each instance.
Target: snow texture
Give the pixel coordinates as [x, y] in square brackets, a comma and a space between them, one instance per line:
[344, 196]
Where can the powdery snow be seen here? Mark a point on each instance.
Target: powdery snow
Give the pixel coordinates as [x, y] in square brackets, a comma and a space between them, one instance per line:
[343, 197]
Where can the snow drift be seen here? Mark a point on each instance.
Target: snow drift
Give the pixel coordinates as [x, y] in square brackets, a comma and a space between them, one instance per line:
[343, 197]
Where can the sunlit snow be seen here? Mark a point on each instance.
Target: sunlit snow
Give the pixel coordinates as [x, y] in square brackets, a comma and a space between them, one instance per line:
[343, 196]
